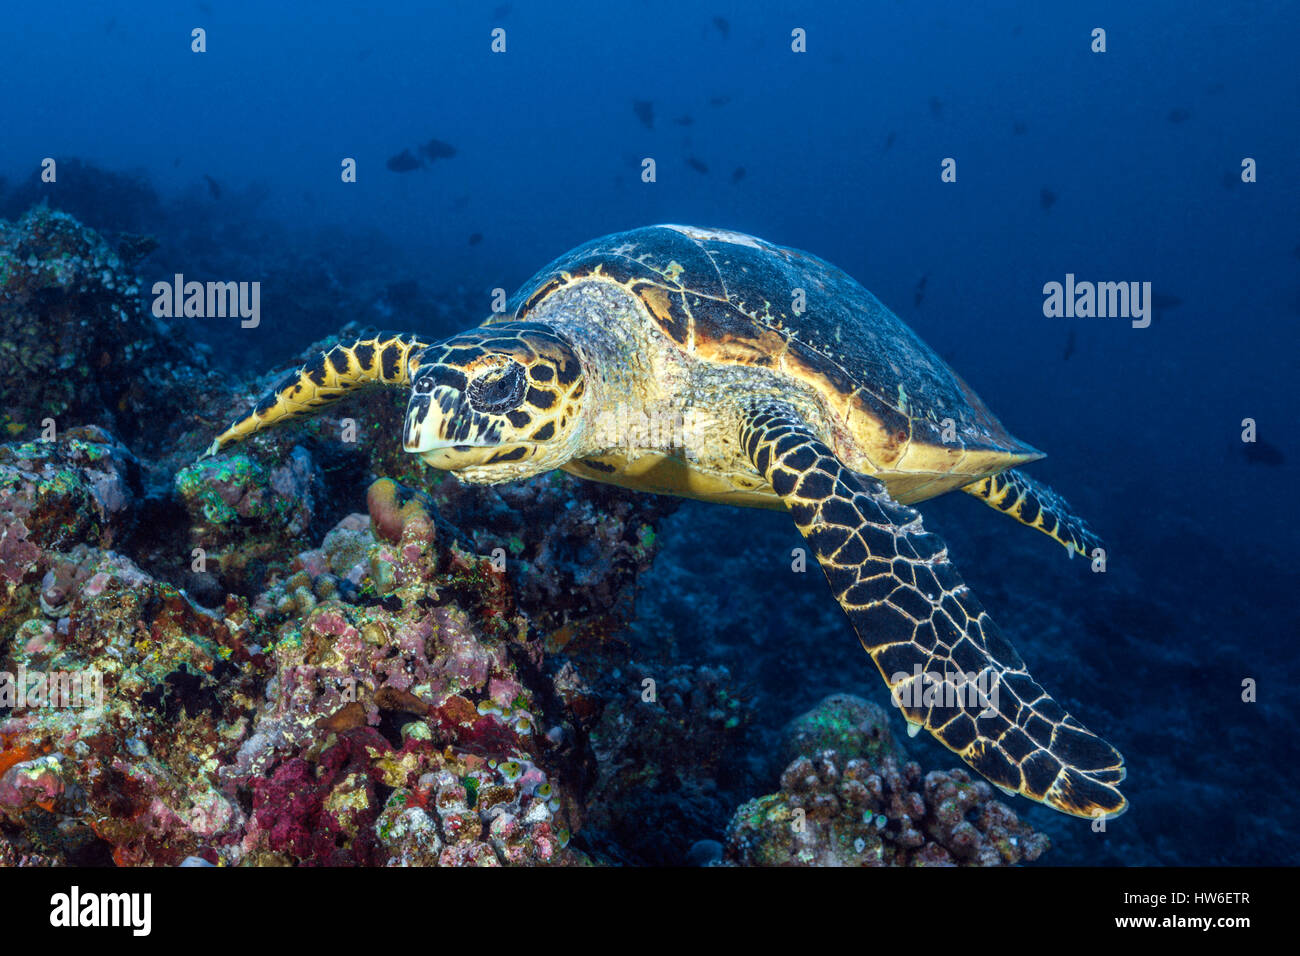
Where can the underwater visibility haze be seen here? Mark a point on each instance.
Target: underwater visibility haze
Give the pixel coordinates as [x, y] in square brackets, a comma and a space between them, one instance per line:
[527, 434]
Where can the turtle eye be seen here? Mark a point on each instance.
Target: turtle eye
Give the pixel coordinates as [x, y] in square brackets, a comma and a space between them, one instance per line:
[498, 390]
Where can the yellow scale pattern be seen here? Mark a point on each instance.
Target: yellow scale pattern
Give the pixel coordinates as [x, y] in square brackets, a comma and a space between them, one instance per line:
[1037, 506]
[387, 359]
[922, 626]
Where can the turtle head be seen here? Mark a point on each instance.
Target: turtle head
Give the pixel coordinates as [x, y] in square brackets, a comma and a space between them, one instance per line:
[496, 403]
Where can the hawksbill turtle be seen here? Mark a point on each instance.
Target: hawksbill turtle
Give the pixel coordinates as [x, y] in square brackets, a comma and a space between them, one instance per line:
[714, 365]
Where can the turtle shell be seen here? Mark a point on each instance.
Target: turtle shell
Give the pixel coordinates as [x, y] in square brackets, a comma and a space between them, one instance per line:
[725, 297]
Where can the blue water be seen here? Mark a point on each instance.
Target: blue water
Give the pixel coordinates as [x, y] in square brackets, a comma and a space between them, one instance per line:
[1115, 166]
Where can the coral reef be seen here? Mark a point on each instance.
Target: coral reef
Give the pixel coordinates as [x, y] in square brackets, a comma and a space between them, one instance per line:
[403, 727]
[868, 806]
[77, 343]
[666, 746]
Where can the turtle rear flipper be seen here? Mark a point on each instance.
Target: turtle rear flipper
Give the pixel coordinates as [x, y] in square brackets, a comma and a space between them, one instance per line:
[387, 359]
[947, 664]
[1034, 504]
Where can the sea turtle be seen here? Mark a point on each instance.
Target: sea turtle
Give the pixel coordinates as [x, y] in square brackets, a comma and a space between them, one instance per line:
[714, 365]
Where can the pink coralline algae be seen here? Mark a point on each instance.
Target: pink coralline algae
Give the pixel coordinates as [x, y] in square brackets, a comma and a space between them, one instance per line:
[377, 705]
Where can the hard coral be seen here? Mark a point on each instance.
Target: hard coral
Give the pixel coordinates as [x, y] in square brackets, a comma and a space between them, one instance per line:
[836, 809]
[75, 339]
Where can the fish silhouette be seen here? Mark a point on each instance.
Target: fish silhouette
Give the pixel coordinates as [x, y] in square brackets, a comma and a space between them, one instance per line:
[214, 188]
[936, 107]
[475, 238]
[722, 100]
[889, 141]
[1019, 127]
[436, 149]
[919, 292]
[645, 112]
[723, 26]
[404, 162]
[1046, 198]
[1260, 452]
[697, 164]
[1179, 115]
[684, 120]
[1069, 347]
[738, 174]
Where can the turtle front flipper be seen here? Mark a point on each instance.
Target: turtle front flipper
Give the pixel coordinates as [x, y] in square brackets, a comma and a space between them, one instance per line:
[947, 664]
[1034, 504]
[387, 359]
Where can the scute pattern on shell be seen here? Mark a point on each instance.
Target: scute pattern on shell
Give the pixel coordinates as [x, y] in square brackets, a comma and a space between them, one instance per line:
[739, 293]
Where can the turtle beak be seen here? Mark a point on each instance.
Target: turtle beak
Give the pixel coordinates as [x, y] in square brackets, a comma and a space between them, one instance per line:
[438, 429]
[425, 423]
[431, 434]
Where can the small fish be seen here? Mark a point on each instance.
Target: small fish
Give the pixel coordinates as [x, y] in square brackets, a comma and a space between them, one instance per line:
[1260, 452]
[1019, 127]
[214, 188]
[723, 26]
[889, 141]
[1069, 346]
[936, 107]
[1046, 198]
[645, 112]
[685, 120]
[919, 292]
[1179, 115]
[475, 238]
[1162, 301]
[460, 202]
[436, 149]
[722, 100]
[697, 164]
[404, 162]
[738, 174]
